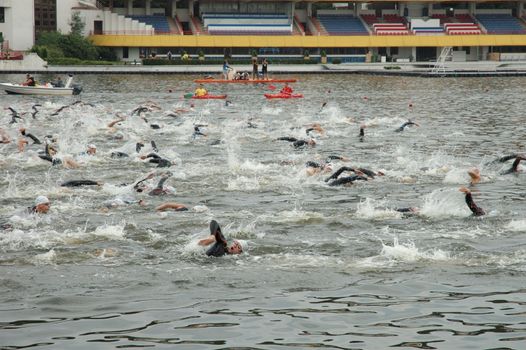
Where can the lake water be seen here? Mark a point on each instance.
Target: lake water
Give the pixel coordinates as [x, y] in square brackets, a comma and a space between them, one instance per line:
[323, 267]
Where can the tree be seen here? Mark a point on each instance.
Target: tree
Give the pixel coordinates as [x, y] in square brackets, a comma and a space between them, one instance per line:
[76, 24]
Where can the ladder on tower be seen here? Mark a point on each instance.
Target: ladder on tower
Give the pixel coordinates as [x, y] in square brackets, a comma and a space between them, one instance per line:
[440, 65]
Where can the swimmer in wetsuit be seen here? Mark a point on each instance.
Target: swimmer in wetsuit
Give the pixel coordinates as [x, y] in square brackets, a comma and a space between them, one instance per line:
[159, 190]
[347, 180]
[515, 165]
[362, 132]
[298, 143]
[476, 210]
[79, 183]
[407, 123]
[156, 159]
[220, 246]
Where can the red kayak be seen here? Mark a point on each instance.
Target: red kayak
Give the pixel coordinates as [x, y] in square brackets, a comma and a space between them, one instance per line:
[210, 97]
[280, 95]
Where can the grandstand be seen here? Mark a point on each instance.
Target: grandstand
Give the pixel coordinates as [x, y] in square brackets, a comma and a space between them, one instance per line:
[405, 31]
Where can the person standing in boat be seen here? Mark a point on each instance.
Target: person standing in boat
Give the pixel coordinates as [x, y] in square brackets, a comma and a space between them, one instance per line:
[226, 68]
[255, 68]
[264, 72]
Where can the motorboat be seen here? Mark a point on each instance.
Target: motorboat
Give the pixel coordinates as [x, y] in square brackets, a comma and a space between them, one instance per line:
[47, 89]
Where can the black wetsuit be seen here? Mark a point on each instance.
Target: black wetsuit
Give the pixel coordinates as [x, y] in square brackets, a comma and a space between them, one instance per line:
[156, 159]
[118, 155]
[311, 164]
[339, 172]
[476, 210]
[220, 246]
[346, 180]
[32, 137]
[407, 123]
[295, 142]
[159, 190]
[78, 183]
[514, 167]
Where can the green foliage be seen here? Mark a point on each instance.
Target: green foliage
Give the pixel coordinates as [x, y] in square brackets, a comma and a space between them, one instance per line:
[69, 61]
[254, 53]
[323, 53]
[392, 67]
[306, 53]
[1, 37]
[336, 61]
[56, 47]
[76, 24]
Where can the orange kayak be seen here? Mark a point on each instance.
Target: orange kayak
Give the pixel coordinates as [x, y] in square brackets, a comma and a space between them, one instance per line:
[209, 97]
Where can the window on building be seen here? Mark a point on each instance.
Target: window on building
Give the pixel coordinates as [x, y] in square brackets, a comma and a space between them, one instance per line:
[125, 52]
[2, 14]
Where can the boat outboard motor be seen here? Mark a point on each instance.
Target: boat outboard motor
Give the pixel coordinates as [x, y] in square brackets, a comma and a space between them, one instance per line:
[77, 89]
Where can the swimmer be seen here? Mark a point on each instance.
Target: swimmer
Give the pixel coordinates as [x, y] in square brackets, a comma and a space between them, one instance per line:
[41, 206]
[220, 245]
[474, 174]
[347, 180]
[198, 132]
[362, 132]
[14, 115]
[79, 183]
[298, 143]
[173, 206]
[4, 136]
[408, 210]
[314, 127]
[407, 123]
[476, 210]
[28, 135]
[91, 150]
[118, 154]
[313, 168]
[515, 165]
[156, 159]
[159, 190]
[35, 110]
[358, 171]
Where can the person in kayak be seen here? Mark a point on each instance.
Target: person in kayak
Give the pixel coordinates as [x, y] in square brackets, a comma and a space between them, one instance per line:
[287, 90]
[475, 209]
[220, 245]
[200, 91]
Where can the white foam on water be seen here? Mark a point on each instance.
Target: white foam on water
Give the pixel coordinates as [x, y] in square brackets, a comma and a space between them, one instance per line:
[367, 209]
[443, 203]
[45, 258]
[516, 225]
[390, 256]
[243, 183]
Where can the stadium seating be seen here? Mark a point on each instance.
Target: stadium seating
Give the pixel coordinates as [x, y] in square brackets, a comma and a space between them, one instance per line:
[342, 25]
[501, 24]
[159, 23]
[247, 23]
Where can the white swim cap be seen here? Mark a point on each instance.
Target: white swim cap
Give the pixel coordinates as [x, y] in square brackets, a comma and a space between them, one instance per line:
[92, 146]
[41, 200]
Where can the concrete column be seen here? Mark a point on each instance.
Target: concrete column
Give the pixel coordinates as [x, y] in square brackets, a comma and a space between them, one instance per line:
[309, 9]
[402, 7]
[413, 53]
[174, 8]
[130, 7]
[520, 8]
[148, 9]
[472, 8]
[355, 6]
[191, 8]
[429, 9]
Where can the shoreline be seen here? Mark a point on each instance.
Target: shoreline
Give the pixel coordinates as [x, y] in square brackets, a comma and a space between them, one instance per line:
[420, 69]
